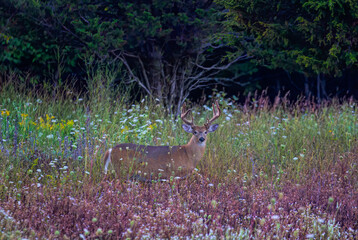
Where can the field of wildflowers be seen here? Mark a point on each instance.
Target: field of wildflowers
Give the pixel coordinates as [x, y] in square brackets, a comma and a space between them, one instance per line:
[271, 171]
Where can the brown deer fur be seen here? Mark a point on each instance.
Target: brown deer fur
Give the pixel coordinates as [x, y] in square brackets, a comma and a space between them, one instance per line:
[153, 162]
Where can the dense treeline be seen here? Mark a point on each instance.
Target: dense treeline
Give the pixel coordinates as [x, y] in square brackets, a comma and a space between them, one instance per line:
[317, 39]
[169, 49]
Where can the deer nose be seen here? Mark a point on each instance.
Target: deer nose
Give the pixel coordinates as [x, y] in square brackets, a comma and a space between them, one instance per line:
[201, 139]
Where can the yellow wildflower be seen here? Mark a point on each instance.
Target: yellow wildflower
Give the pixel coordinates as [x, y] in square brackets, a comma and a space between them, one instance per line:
[48, 118]
[5, 112]
[70, 123]
[124, 129]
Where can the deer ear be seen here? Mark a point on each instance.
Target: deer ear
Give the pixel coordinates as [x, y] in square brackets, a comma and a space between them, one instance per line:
[187, 128]
[212, 128]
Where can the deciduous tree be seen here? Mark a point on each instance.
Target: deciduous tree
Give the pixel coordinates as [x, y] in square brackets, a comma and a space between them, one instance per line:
[315, 37]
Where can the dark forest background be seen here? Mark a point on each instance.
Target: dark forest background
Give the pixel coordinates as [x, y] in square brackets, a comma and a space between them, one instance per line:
[172, 50]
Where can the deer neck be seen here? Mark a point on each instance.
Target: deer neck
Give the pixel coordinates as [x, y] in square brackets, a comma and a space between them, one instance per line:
[195, 150]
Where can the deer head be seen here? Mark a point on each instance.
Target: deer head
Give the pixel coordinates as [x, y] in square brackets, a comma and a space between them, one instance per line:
[200, 132]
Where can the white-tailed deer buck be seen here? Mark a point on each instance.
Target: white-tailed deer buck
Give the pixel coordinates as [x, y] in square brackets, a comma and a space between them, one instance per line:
[153, 162]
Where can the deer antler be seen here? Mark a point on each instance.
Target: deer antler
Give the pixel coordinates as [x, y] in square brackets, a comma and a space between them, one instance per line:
[216, 114]
[183, 115]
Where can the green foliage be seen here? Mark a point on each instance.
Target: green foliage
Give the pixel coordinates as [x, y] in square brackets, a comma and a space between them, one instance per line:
[33, 40]
[307, 36]
[264, 162]
[55, 38]
[293, 142]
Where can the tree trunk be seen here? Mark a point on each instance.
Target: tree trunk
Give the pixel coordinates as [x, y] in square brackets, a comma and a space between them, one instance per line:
[323, 86]
[318, 88]
[350, 82]
[307, 86]
[278, 85]
[154, 73]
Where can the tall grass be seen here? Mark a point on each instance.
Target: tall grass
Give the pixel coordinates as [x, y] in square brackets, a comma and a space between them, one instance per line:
[51, 147]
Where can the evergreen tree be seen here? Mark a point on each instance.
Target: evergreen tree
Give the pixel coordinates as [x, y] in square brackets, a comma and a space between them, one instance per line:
[315, 37]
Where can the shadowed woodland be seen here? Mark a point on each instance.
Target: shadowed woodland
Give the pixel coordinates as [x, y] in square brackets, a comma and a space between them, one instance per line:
[172, 50]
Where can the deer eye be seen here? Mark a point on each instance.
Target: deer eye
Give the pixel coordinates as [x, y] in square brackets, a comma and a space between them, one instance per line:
[195, 132]
[206, 132]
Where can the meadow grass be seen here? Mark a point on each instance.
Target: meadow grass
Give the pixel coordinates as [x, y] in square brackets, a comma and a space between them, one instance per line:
[282, 170]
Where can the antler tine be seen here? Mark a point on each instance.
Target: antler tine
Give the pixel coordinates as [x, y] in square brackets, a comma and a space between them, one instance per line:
[183, 115]
[216, 113]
